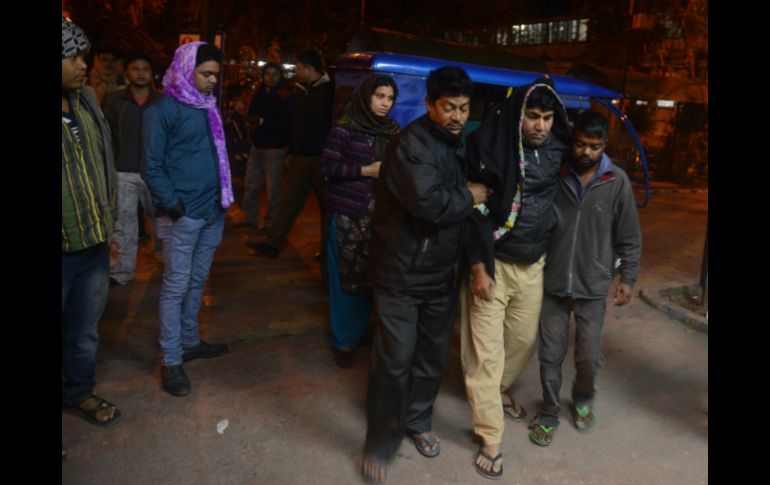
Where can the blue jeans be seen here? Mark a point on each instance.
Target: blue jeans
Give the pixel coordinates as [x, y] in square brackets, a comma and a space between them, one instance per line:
[85, 281]
[188, 250]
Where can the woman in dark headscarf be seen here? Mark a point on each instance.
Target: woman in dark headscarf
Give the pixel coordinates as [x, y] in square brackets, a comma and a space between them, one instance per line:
[350, 163]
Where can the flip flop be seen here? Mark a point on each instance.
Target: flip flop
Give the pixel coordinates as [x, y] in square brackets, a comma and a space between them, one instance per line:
[583, 417]
[489, 473]
[510, 410]
[430, 447]
[541, 434]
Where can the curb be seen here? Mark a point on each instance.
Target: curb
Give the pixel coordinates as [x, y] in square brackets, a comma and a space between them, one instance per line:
[678, 191]
[652, 296]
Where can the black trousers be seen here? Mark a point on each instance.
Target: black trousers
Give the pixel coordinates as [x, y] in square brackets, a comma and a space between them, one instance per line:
[409, 356]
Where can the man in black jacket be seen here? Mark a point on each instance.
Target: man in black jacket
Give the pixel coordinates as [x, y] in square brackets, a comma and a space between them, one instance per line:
[268, 114]
[311, 122]
[517, 152]
[421, 200]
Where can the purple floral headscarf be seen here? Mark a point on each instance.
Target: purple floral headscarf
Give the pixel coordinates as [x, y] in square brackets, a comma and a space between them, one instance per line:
[179, 83]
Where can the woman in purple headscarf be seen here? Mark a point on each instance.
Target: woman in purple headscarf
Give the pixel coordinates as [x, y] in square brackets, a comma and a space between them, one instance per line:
[188, 174]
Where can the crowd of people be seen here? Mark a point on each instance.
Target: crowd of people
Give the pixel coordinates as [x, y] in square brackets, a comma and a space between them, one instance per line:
[518, 227]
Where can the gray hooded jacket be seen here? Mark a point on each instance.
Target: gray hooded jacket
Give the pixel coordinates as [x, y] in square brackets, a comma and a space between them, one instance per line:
[591, 233]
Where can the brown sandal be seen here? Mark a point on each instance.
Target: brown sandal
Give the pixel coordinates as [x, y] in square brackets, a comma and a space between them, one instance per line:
[428, 447]
[90, 413]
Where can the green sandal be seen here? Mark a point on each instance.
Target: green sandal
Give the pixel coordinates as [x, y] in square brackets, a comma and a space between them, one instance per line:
[583, 417]
[541, 434]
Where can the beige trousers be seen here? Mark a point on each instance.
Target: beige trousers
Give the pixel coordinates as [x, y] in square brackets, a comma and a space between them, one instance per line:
[497, 339]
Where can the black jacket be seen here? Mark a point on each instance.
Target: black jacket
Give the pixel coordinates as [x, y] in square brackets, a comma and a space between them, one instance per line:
[125, 118]
[495, 153]
[311, 117]
[273, 108]
[420, 204]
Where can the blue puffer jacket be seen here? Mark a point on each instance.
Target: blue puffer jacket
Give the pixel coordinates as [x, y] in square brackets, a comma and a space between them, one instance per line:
[179, 160]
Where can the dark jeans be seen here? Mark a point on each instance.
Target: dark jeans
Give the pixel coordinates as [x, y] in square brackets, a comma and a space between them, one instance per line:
[85, 280]
[409, 356]
[552, 349]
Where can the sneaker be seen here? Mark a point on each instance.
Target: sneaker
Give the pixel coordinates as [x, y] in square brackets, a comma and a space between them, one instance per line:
[263, 249]
[175, 381]
[584, 417]
[204, 351]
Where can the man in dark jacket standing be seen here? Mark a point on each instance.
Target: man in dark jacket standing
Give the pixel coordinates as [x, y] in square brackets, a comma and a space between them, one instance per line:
[517, 152]
[421, 199]
[597, 233]
[311, 122]
[188, 173]
[124, 110]
[268, 114]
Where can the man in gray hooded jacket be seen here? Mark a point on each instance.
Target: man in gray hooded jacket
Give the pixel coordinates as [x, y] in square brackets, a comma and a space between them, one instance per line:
[597, 232]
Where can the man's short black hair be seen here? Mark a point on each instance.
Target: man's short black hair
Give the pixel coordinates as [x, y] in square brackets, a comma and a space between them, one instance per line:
[542, 98]
[139, 56]
[272, 65]
[592, 124]
[207, 52]
[448, 81]
[108, 49]
[311, 58]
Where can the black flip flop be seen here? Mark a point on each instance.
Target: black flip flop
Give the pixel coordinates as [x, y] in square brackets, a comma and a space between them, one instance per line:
[489, 473]
[90, 413]
[510, 410]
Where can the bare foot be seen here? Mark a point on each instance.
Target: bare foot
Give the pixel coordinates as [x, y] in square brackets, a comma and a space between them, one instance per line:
[373, 469]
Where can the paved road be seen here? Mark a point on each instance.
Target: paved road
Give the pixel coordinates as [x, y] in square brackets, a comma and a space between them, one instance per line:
[276, 410]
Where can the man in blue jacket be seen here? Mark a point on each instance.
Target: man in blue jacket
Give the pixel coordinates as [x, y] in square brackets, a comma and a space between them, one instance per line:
[597, 233]
[187, 171]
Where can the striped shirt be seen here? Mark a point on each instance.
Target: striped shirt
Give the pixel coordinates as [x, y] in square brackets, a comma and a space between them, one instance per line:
[86, 209]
